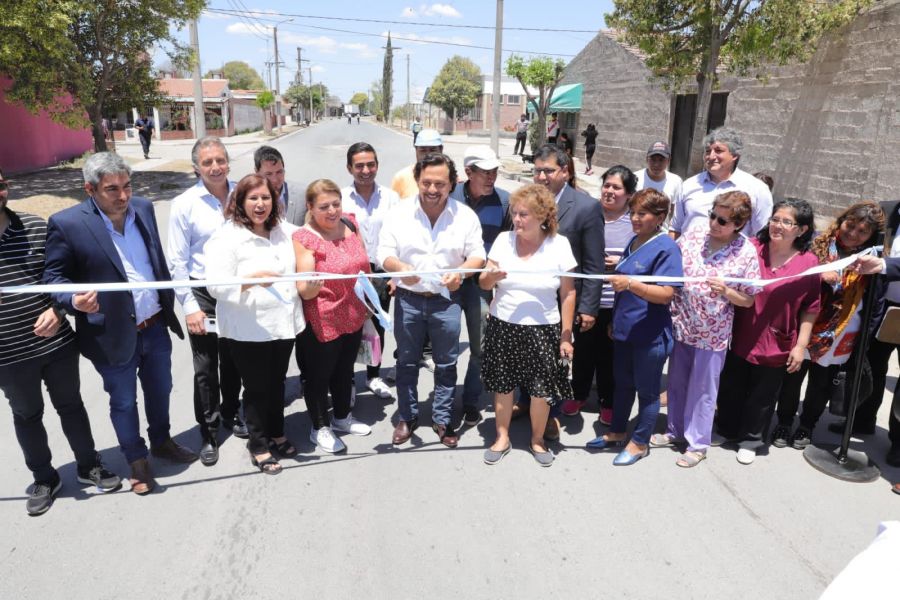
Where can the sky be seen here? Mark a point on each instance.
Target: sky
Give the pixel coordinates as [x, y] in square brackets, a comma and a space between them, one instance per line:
[350, 59]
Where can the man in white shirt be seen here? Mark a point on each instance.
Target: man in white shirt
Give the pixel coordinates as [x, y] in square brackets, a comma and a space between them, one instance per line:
[370, 202]
[721, 155]
[429, 233]
[195, 215]
[657, 175]
[404, 182]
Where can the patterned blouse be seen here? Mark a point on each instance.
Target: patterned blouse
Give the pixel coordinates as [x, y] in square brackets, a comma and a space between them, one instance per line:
[701, 318]
[336, 310]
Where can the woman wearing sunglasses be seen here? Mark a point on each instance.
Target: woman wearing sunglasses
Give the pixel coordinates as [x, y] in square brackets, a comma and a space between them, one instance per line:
[702, 315]
[770, 337]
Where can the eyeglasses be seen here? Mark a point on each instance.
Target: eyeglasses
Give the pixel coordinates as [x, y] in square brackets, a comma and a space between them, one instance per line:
[783, 222]
[546, 172]
[721, 221]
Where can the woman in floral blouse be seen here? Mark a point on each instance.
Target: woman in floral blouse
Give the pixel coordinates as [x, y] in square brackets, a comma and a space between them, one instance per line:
[702, 315]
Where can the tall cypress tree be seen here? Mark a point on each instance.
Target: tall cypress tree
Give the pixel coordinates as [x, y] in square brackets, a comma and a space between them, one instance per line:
[387, 79]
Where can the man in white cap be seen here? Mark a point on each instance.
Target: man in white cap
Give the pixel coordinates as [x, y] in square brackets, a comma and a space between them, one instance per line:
[657, 175]
[427, 142]
[492, 207]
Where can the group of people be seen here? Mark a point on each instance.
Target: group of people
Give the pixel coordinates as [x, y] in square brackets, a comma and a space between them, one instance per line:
[510, 264]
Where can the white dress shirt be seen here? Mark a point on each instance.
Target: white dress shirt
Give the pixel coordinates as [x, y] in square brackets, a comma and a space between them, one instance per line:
[194, 216]
[370, 215]
[258, 314]
[699, 192]
[407, 235]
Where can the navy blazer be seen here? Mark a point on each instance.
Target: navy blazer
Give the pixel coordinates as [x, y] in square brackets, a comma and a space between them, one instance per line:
[79, 250]
[581, 221]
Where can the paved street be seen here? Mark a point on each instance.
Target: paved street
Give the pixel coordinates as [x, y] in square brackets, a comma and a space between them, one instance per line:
[424, 521]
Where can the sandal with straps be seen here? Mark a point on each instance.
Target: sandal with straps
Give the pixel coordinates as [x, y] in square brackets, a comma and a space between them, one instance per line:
[690, 459]
[269, 466]
[285, 449]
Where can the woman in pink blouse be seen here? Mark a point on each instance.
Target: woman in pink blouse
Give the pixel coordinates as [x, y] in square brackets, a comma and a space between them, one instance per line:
[329, 243]
[771, 336]
[702, 314]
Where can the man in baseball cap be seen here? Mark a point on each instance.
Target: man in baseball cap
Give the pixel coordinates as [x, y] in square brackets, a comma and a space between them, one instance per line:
[657, 175]
[491, 205]
[427, 142]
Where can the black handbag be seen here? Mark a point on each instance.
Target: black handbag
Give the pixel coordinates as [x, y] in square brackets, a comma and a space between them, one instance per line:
[841, 383]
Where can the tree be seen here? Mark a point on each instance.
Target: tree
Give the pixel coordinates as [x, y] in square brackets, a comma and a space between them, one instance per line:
[457, 86]
[359, 99]
[78, 59]
[376, 101]
[387, 79]
[690, 41]
[240, 76]
[298, 96]
[541, 73]
[265, 100]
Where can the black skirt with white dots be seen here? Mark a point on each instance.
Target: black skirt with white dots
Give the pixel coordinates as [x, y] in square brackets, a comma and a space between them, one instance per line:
[526, 357]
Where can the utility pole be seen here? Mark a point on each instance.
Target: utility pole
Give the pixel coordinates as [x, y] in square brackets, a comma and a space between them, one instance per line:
[298, 78]
[277, 79]
[199, 116]
[408, 101]
[311, 113]
[495, 93]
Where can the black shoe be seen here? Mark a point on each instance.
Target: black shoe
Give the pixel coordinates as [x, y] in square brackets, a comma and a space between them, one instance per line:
[209, 453]
[471, 416]
[781, 436]
[238, 427]
[97, 476]
[858, 428]
[893, 456]
[801, 438]
[41, 497]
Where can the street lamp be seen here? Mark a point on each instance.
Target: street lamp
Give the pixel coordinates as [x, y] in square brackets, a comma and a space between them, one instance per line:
[277, 69]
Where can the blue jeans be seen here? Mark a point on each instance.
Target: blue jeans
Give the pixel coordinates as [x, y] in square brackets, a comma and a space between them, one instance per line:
[415, 318]
[638, 368]
[152, 364]
[475, 303]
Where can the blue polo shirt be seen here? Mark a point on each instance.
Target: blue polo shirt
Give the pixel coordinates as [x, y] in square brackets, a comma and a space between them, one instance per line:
[492, 211]
[634, 319]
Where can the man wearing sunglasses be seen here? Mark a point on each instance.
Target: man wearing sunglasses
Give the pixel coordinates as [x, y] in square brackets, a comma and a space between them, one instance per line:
[37, 344]
[492, 207]
[722, 152]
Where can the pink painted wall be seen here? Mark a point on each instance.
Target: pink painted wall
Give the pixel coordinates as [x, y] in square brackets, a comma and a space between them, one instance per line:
[32, 142]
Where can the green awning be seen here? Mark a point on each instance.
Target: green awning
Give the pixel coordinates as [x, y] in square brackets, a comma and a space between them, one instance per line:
[566, 98]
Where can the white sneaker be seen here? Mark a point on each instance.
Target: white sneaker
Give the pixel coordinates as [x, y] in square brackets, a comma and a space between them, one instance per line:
[324, 439]
[351, 426]
[746, 456]
[378, 387]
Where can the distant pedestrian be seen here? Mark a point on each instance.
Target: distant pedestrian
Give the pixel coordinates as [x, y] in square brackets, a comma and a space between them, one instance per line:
[553, 129]
[590, 145]
[521, 134]
[145, 127]
[416, 127]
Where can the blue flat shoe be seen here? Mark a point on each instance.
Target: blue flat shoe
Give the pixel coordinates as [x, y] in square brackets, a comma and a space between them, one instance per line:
[599, 443]
[625, 458]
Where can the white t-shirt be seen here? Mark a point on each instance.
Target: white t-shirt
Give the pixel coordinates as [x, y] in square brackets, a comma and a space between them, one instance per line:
[670, 186]
[526, 298]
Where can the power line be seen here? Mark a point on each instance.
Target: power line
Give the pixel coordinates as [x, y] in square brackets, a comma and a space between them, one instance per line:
[253, 27]
[420, 41]
[387, 22]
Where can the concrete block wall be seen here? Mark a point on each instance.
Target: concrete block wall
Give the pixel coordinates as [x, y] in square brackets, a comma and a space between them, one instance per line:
[629, 110]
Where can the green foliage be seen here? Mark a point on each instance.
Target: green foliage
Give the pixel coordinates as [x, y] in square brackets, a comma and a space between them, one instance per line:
[387, 78]
[97, 51]
[543, 74]
[240, 76]
[360, 99]
[265, 99]
[457, 85]
[405, 113]
[298, 95]
[376, 99]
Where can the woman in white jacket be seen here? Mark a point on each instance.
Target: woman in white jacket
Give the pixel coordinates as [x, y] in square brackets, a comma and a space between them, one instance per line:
[259, 321]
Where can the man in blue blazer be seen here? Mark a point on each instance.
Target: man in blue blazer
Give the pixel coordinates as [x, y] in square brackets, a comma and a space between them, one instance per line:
[112, 237]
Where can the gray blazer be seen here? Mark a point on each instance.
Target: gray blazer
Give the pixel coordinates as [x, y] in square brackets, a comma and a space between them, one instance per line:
[295, 203]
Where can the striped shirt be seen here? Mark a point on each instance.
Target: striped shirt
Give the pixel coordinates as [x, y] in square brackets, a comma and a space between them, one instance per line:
[22, 263]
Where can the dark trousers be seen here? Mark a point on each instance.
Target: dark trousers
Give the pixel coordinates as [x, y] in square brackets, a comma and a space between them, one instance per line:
[589, 154]
[329, 368]
[879, 355]
[380, 285]
[21, 384]
[746, 400]
[145, 143]
[818, 393]
[521, 138]
[594, 358]
[262, 367]
[214, 373]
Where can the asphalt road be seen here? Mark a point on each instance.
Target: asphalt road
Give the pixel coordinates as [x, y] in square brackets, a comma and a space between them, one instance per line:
[424, 521]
